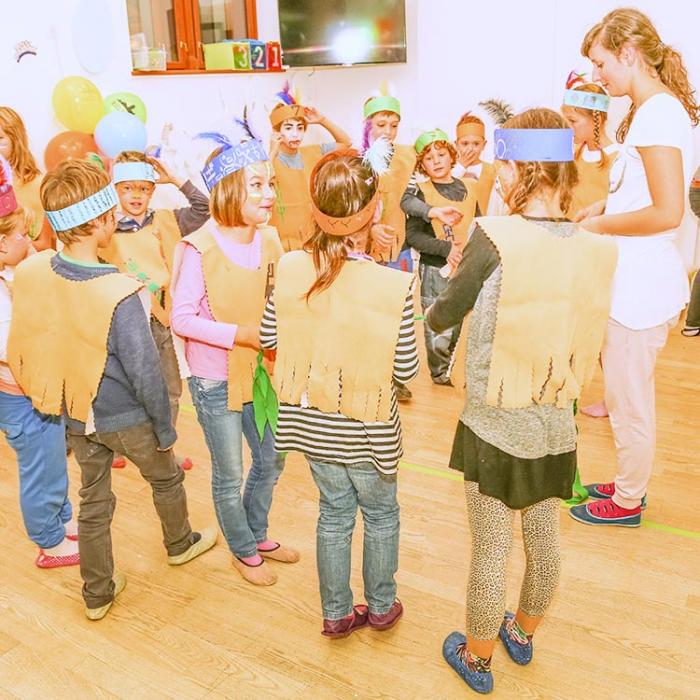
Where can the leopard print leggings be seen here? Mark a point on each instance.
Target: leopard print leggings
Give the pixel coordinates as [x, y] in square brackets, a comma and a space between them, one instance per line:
[491, 523]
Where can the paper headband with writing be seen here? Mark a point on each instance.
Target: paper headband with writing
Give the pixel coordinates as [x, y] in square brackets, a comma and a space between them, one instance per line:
[383, 103]
[471, 129]
[540, 145]
[128, 172]
[428, 137]
[231, 159]
[341, 225]
[282, 112]
[83, 211]
[587, 100]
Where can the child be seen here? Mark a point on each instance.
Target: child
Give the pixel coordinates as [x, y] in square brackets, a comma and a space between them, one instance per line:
[226, 274]
[39, 441]
[382, 116]
[143, 247]
[586, 110]
[539, 291]
[643, 213]
[438, 244]
[337, 406]
[470, 144]
[102, 372]
[293, 164]
[14, 147]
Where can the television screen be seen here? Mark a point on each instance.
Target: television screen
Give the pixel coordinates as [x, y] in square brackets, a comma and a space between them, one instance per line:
[342, 32]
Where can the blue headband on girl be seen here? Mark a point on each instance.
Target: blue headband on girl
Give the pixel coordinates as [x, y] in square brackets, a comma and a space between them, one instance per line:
[83, 211]
[233, 158]
[545, 145]
[128, 172]
[587, 100]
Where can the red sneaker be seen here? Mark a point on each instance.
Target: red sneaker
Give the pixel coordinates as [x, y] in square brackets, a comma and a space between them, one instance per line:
[607, 512]
[118, 462]
[335, 629]
[603, 491]
[388, 619]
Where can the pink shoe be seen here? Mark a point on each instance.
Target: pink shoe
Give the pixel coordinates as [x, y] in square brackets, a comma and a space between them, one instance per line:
[72, 538]
[46, 561]
[118, 462]
[186, 463]
[596, 410]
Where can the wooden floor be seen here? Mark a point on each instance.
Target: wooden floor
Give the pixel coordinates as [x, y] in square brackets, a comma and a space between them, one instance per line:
[625, 622]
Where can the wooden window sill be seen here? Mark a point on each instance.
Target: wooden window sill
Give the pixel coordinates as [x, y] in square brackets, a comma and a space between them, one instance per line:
[200, 72]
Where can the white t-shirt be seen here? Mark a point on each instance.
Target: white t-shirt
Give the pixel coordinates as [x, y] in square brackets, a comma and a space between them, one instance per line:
[473, 170]
[594, 156]
[650, 284]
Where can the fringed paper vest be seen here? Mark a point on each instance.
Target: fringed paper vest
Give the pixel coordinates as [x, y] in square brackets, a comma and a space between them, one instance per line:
[27, 194]
[392, 185]
[485, 185]
[238, 295]
[337, 349]
[291, 215]
[57, 349]
[467, 207]
[148, 256]
[553, 310]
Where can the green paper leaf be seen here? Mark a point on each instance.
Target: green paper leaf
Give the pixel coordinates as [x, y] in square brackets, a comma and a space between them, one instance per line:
[265, 405]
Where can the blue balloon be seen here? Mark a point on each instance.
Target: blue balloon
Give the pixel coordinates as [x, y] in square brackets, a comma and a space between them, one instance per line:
[120, 131]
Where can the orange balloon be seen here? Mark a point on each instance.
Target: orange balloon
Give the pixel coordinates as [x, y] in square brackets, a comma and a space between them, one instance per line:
[68, 145]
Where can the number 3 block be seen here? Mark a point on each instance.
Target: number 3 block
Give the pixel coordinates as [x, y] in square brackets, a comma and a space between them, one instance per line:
[274, 55]
[241, 55]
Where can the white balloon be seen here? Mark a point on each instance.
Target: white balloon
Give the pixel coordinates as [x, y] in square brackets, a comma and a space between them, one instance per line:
[93, 35]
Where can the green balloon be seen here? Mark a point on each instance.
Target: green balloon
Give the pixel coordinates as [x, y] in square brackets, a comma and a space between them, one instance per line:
[126, 102]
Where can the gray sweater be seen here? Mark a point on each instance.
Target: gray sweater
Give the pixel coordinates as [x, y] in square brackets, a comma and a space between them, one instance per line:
[132, 390]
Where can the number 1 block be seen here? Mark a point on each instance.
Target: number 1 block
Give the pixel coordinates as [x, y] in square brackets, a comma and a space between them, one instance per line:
[274, 55]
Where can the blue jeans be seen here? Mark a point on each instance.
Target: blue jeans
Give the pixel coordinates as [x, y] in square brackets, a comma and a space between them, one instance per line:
[342, 488]
[243, 520]
[39, 441]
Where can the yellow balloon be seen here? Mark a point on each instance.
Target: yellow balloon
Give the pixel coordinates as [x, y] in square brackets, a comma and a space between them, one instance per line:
[77, 103]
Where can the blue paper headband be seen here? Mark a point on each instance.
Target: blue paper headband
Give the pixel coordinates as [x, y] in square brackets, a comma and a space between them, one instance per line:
[587, 100]
[127, 172]
[233, 158]
[546, 145]
[83, 211]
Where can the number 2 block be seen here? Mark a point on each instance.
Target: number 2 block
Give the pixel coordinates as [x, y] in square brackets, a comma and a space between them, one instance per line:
[258, 57]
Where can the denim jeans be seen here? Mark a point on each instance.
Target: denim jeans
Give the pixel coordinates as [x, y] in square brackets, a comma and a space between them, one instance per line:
[439, 346]
[342, 488]
[242, 519]
[39, 441]
[95, 453]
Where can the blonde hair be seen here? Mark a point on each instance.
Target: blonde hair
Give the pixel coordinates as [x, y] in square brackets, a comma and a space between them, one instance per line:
[440, 144]
[344, 185]
[599, 120]
[227, 197]
[71, 182]
[20, 219]
[21, 159]
[629, 27]
[131, 157]
[535, 176]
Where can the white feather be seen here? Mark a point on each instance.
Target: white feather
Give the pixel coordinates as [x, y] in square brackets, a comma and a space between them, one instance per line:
[378, 156]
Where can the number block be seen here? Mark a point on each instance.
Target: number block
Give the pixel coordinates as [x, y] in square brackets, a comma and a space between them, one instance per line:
[258, 57]
[241, 55]
[274, 55]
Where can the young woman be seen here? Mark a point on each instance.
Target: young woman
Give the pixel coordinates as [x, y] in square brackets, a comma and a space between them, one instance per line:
[539, 289]
[224, 278]
[648, 186]
[337, 406]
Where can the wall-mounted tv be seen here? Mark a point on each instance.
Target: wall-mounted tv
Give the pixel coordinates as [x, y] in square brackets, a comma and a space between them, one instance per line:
[342, 32]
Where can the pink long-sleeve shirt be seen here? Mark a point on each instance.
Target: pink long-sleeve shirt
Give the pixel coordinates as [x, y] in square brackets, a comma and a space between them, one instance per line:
[207, 341]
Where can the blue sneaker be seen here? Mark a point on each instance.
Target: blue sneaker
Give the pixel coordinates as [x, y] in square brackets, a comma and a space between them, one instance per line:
[451, 647]
[520, 653]
[607, 512]
[602, 491]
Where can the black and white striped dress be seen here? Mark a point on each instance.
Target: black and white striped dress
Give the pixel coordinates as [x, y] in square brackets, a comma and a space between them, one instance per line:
[333, 437]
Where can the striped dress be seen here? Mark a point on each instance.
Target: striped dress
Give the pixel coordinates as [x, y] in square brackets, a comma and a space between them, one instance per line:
[333, 437]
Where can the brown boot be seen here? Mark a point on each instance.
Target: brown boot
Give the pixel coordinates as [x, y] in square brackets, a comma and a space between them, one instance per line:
[260, 575]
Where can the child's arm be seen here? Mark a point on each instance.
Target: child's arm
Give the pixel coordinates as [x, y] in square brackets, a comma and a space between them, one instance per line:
[188, 296]
[421, 237]
[130, 340]
[406, 353]
[413, 204]
[191, 218]
[268, 326]
[313, 116]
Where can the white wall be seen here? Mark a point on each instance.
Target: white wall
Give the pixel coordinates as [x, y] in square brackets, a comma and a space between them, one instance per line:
[458, 53]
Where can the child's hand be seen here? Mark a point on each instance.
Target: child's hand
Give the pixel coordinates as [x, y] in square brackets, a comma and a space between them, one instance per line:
[455, 256]
[595, 209]
[593, 224]
[450, 216]
[164, 177]
[312, 115]
[275, 141]
[382, 237]
[248, 336]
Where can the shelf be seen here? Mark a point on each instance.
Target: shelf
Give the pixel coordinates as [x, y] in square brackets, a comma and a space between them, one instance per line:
[200, 72]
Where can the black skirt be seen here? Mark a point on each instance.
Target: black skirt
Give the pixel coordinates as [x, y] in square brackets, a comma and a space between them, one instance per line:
[517, 482]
